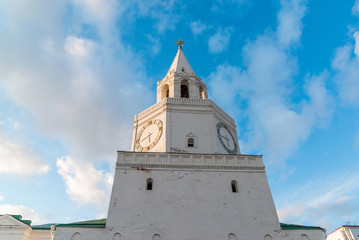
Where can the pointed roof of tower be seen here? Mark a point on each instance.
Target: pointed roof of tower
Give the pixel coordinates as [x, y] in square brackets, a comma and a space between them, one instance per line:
[180, 63]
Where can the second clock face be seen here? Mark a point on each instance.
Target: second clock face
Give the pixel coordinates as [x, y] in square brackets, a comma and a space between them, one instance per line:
[226, 138]
[149, 135]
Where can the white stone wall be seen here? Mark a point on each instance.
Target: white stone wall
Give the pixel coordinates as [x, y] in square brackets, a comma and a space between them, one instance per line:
[71, 233]
[192, 204]
[303, 234]
[68, 233]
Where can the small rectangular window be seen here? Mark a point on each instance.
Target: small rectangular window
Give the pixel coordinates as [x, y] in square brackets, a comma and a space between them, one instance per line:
[190, 142]
[149, 184]
[234, 186]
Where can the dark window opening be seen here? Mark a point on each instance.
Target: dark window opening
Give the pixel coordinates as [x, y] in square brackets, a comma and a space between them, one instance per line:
[190, 142]
[184, 91]
[234, 186]
[149, 184]
[165, 91]
[182, 69]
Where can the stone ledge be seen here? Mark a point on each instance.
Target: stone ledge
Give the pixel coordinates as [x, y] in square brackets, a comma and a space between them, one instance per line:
[190, 159]
[185, 101]
[146, 167]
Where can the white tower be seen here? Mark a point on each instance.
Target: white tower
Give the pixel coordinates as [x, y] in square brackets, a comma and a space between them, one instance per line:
[185, 178]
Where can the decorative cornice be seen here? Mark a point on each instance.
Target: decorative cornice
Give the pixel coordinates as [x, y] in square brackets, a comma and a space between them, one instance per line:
[186, 101]
[209, 162]
[147, 167]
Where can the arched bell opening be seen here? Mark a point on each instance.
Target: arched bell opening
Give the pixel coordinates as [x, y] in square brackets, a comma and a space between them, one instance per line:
[202, 94]
[184, 89]
[165, 92]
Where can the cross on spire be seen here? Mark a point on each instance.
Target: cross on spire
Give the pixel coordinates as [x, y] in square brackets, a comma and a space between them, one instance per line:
[179, 43]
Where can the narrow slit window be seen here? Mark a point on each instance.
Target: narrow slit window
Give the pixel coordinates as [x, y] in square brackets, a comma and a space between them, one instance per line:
[149, 183]
[234, 186]
[190, 142]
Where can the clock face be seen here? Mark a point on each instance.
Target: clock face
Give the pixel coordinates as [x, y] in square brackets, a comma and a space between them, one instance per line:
[226, 138]
[149, 135]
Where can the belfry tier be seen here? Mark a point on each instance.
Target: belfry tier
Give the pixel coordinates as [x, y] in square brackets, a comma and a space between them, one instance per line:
[181, 81]
[183, 118]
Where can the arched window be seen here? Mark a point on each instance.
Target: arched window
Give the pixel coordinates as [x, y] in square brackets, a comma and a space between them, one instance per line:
[184, 89]
[156, 237]
[234, 186]
[201, 92]
[165, 92]
[116, 236]
[268, 237]
[304, 237]
[149, 183]
[190, 142]
[76, 236]
[232, 236]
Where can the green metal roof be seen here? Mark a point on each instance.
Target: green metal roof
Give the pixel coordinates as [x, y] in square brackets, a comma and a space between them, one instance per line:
[295, 226]
[46, 226]
[99, 223]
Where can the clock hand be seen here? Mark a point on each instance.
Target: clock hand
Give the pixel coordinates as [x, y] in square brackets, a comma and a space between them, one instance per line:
[227, 139]
[149, 139]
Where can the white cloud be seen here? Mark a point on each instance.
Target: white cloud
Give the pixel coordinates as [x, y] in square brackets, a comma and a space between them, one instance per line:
[1, 198]
[356, 47]
[18, 159]
[220, 40]
[84, 184]
[197, 27]
[100, 11]
[276, 125]
[355, 8]
[320, 201]
[79, 90]
[154, 44]
[346, 67]
[77, 46]
[26, 212]
[164, 13]
[290, 25]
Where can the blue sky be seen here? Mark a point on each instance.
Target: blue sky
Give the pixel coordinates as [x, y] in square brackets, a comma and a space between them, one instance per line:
[74, 73]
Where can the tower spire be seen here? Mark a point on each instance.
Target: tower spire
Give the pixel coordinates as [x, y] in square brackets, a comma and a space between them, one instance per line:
[180, 63]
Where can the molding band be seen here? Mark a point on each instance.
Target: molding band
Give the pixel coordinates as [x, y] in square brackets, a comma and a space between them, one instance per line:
[144, 167]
